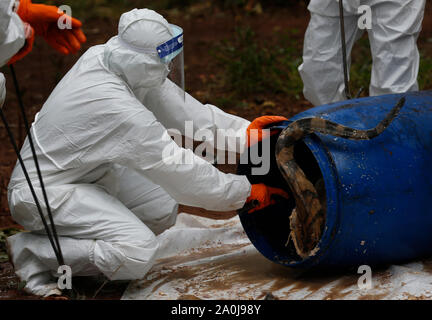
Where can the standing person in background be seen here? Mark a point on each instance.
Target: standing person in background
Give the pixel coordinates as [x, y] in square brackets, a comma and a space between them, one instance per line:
[396, 25]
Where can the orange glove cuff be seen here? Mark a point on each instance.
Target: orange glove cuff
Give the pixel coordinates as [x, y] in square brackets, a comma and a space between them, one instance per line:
[23, 9]
[255, 131]
[264, 195]
[28, 47]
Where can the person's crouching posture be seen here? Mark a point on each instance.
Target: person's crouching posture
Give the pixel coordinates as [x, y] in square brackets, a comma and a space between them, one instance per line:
[100, 138]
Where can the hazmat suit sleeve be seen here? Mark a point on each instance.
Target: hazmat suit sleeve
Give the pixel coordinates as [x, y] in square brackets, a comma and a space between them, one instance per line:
[173, 112]
[144, 144]
[12, 34]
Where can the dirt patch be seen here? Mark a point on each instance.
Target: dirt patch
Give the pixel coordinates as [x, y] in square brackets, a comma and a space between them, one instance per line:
[10, 285]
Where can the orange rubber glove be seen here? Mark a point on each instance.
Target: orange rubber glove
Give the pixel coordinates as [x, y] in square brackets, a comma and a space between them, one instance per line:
[65, 41]
[28, 46]
[44, 19]
[264, 195]
[258, 125]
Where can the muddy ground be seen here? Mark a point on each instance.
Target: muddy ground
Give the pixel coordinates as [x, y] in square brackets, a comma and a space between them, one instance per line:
[205, 27]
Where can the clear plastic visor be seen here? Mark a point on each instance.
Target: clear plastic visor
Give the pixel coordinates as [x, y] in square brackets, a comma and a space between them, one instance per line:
[172, 54]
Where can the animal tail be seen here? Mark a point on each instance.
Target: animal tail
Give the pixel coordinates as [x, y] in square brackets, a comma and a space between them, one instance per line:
[332, 128]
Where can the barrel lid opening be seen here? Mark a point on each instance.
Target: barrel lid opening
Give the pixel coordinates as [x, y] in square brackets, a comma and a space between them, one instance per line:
[301, 236]
[269, 229]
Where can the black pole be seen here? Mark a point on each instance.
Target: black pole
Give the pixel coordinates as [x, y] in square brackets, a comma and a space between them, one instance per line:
[35, 159]
[344, 50]
[15, 147]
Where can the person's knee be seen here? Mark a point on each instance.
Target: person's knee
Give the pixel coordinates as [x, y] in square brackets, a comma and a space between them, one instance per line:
[125, 260]
[166, 220]
[158, 215]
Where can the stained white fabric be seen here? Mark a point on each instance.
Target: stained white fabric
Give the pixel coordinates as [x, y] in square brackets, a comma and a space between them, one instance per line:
[12, 34]
[102, 138]
[396, 25]
[217, 261]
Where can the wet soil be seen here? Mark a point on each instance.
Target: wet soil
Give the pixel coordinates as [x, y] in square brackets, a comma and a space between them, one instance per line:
[248, 276]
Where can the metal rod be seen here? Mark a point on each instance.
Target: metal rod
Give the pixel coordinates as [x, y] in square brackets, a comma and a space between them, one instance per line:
[359, 92]
[39, 208]
[344, 50]
[33, 150]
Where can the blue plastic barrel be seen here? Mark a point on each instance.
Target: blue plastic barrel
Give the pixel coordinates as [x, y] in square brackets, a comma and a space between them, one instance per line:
[378, 192]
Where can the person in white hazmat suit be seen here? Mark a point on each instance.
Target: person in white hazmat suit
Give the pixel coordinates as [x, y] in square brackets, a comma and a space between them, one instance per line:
[12, 31]
[12, 38]
[101, 138]
[395, 28]
[17, 36]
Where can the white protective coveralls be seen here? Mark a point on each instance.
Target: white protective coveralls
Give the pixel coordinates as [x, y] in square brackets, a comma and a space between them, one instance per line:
[12, 36]
[100, 138]
[12, 31]
[396, 25]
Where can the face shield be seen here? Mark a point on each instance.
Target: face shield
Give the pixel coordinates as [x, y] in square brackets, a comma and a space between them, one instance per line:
[171, 53]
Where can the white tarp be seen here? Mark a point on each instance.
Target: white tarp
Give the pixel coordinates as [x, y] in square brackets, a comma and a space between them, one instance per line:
[207, 259]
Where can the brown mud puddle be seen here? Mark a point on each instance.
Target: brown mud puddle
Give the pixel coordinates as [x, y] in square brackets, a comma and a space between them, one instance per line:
[248, 276]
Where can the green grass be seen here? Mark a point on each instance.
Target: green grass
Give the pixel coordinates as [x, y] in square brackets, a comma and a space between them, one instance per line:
[4, 234]
[252, 67]
[361, 67]
[249, 66]
[425, 75]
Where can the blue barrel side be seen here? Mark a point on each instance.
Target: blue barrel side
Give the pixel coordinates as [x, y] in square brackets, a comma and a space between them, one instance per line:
[378, 191]
[384, 185]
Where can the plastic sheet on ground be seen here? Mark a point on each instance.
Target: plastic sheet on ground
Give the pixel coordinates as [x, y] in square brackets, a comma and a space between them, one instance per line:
[207, 259]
